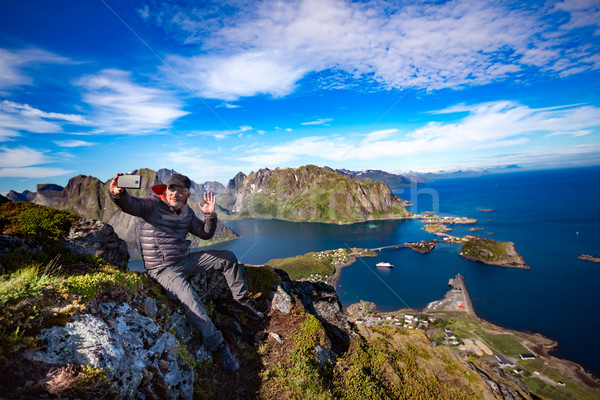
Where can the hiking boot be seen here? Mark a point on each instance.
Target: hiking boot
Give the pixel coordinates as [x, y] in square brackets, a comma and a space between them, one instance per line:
[247, 307]
[228, 361]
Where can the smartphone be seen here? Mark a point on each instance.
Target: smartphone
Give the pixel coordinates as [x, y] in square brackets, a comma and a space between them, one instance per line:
[129, 181]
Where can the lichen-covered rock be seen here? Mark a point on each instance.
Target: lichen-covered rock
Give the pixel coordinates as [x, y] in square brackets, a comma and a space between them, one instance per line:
[281, 301]
[88, 236]
[128, 346]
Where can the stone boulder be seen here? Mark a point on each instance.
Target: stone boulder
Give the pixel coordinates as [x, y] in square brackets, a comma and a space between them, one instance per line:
[318, 299]
[139, 357]
[88, 236]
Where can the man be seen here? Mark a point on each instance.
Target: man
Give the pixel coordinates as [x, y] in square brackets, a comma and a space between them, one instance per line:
[165, 251]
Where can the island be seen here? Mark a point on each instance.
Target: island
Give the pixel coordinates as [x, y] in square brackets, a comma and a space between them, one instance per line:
[492, 252]
[588, 257]
[437, 229]
[424, 246]
[485, 210]
[436, 219]
[476, 248]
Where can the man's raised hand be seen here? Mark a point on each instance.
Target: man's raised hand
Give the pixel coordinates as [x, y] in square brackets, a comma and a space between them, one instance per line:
[114, 189]
[209, 203]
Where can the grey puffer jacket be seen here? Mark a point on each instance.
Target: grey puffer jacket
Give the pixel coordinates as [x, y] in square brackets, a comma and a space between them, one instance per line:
[163, 233]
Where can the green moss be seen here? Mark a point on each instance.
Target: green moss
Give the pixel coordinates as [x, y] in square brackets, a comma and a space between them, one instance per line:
[35, 221]
[302, 375]
[108, 281]
[260, 279]
[44, 226]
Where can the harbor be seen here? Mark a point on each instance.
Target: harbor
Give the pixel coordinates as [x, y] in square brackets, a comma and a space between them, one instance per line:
[456, 299]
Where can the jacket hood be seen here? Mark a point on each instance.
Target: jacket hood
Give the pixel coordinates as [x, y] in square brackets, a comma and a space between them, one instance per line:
[159, 189]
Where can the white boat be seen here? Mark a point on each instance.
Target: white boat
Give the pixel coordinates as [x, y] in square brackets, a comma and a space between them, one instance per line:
[384, 265]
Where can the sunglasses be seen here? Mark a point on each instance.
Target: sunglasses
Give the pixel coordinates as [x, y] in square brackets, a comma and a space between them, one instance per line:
[177, 189]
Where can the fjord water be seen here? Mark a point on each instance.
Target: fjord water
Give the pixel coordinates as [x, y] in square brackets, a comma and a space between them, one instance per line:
[552, 217]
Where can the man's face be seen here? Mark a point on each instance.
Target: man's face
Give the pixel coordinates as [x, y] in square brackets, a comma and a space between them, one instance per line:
[176, 196]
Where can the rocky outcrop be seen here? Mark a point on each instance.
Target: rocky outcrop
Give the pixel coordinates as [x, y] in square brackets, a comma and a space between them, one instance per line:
[320, 300]
[91, 237]
[503, 385]
[78, 235]
[139, 357]
[589, 257]
[310, 193]
[48, 194]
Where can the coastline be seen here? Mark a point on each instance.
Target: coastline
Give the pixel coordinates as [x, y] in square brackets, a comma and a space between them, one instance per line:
[333, 279]
[490, 342]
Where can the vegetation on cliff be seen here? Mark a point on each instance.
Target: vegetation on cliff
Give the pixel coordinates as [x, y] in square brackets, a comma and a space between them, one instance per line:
[492, 252]
[310, 193]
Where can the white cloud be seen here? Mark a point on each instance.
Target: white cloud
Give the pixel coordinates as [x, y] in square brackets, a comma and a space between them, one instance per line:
[582, 13]
[22, 157]
[267, 46]
[33, 172]
[221, 134]
[73, 143]
[227, 105]
[570, 133]
[28, 111]
[320, 121]
[120, 106]
[486, 126]
[144, 12]
[240, 75]
[15, 118]
[12, 63]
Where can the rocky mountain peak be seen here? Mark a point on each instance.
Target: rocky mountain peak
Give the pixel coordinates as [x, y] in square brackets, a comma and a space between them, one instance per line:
[310, 193]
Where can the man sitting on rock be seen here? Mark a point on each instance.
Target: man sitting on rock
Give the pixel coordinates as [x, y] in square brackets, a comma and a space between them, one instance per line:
[165, 251]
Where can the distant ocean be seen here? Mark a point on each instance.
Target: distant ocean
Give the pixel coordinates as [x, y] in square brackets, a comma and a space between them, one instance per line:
[552, 216]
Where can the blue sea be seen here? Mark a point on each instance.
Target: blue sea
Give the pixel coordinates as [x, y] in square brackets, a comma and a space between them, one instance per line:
[552, 216]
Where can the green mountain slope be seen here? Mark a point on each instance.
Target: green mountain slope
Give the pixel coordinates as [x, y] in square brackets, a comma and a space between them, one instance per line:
[310, 193]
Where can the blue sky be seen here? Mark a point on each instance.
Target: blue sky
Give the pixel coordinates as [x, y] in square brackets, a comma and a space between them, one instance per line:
[213, 88]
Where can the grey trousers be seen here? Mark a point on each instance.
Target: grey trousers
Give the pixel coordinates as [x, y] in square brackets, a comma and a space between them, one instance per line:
[173, 280]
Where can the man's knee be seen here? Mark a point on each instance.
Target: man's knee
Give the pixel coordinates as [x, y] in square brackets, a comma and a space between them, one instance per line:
[230, 257]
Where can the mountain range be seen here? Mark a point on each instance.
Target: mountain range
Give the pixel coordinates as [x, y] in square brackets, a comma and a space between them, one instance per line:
[308, 193]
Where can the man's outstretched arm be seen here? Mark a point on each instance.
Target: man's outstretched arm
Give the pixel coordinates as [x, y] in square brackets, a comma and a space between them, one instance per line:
[126, 202]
